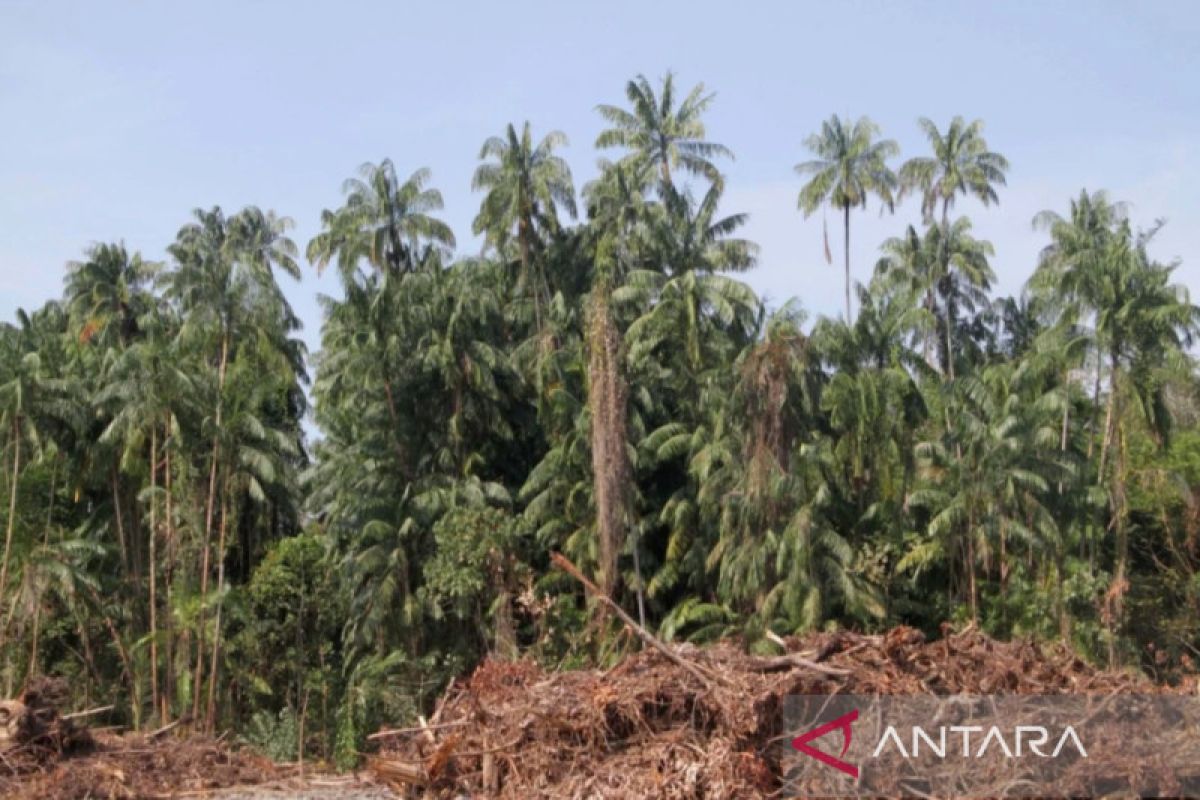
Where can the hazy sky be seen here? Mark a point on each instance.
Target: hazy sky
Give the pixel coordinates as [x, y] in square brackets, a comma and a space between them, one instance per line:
[118, 118]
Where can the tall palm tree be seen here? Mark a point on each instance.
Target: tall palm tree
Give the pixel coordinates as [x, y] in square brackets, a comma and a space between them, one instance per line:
[145, 393]
[224, 285]
[525, 186]
[383, 221]
[961, 164]
[851, 165]
[1079, 244]
[660, 134]
[1140, 318]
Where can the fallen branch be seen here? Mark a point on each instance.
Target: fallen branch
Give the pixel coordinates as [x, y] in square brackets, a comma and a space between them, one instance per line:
[91, 712]
[416, 729]
[170, 726]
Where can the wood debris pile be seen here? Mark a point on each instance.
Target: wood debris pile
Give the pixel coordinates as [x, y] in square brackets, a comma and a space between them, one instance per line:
[50, 756]
[689, 722]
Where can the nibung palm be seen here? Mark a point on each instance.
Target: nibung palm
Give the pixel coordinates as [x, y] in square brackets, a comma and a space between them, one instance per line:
[850, 167]
[525, 186]
[661, 135]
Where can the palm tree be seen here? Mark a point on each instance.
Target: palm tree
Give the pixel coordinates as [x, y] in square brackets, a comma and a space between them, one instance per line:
[1098, 267]
[995, 489]
[948, 267]
[383, 221]
[525, 186]
[659, 134]
[108, 291]
[225, 287]
[1078, 246]
[146, 392]
[34, 398]
[690, 237]
[851, 165]
[961, 165]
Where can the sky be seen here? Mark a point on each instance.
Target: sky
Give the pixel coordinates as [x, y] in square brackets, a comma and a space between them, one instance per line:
[118, 118]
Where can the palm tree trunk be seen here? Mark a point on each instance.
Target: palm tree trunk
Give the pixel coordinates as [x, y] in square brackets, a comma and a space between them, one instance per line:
[12, 508]
[846, 213]
[197, 681]
[949, 342]
[607, 397]
[37, 609]
[945, 256]
[523, 234]
[1117, 590]
[973, 583]
[154, 569]
[211, 713]
[121, 540]
[1095, 405]
[1108, 425]
[167, 700]
[930, 336]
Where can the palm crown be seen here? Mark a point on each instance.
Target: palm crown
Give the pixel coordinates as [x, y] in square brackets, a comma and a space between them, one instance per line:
[658, 133]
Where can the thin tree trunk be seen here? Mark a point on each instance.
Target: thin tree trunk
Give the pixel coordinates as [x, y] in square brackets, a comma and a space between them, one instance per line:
[945, 256]
[949, 343]
[846, 213]
[1119, 584]
[122, 542]
[1108, 425]
[154, 569]
[12, 510]
[973, 585]
[1095, 406]
[211, 713]
[930, 336]
[197, 681]
[37, 609]
[523, 234]
[167, 700]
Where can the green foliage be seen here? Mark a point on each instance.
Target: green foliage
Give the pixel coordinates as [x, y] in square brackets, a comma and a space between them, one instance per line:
[610, 389]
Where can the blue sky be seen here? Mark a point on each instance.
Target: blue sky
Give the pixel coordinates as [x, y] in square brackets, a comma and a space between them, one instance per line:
[118, 118]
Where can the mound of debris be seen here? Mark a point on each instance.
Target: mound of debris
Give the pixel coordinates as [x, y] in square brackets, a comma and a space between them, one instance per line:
[685, 722]
[50, 756]
[32, 732]
[141, 766]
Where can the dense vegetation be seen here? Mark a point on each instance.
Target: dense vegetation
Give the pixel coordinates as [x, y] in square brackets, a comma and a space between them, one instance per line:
[599, 383]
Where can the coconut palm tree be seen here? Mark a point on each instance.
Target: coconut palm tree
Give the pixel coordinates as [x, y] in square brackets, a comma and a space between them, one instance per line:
[851, 165]
[661, 135]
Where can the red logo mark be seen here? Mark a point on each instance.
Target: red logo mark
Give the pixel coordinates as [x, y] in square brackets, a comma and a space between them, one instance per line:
[801, 743]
